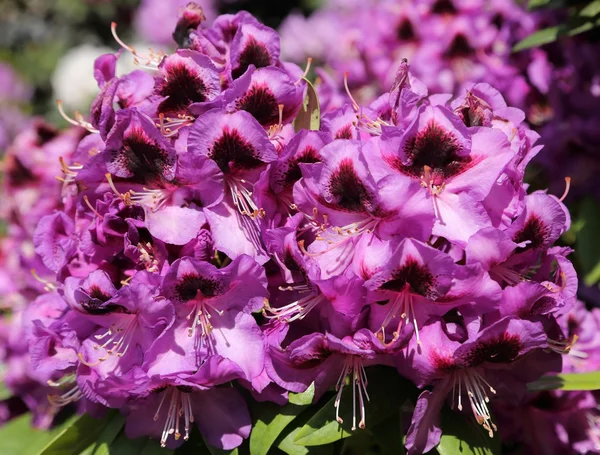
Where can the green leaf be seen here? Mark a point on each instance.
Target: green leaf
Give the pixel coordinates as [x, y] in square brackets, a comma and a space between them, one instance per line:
[567, 381]
[122, 445]
[462, 435]
[389, 435]
[17, 437]
[535, 4]
[387, 391]
[309, 116]
[83, 431]
[106, 438]
[303, 399]
[586, 246]
[5, 394]
[550, 34]
[591, 9]
[286, 443]
[271, 419]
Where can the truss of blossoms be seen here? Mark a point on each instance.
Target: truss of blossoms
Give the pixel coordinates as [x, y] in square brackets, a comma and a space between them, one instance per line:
[202, 248]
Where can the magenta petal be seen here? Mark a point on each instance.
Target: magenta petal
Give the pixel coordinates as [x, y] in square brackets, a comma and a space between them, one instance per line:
[175, 225]
[425, 432]
[222, 417]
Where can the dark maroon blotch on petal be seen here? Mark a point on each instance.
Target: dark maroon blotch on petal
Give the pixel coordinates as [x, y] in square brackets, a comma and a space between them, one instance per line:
[182, 88]
[459, 48]
[348, 190]
[405, 31]
[344, 132]
[535, 231]
[504, 349]
[45, 133]
[411, 275]
[189, 285]
[309, 155]
[253, 54]
[261, 103]
[142, 157]
[443, 7]
[436, 148]
[231, 153]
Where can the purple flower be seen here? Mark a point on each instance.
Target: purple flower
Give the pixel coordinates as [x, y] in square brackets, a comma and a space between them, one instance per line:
[173, 403]
[212, 317]
[193, 72]
[327, 361]
[415, 283]
[480, 366]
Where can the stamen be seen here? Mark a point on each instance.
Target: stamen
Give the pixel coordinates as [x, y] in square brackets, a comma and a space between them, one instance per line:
[126, 197]
[154, 199]
[306, 69]
[298, 287]
[567, 188]
[150, 62]
[355, 105]
[242, 199]
[403, 309]
[70, 396]
[67, 379]
[274, 132]
[502, 273]
[564, 347]
[79, 120]
[294, 311]
[170, 127]
[147, 257]
[48, 286]
[180, 405]
[354, 369]
[87, 202]
[475, 386]
[201, 312]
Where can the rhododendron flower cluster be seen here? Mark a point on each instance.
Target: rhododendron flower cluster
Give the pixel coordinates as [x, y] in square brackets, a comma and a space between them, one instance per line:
[450, 43]
[205, 242]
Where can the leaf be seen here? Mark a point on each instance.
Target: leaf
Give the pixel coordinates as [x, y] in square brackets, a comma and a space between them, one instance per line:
[83, 431]
[387, 391]
[586, 245]
[305, 398]
[567, 381]
[106, 438]
[389, 435]
[309, 116]
[17, 437]
[122, 445]
[550, 34]
[271, 419]
[535, 4]
[592, 9]
[286, 442]
[462, 435]
[5, 393]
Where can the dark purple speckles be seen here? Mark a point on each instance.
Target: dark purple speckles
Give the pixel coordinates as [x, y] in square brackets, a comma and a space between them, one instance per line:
[232, 153]
[347, 189]
[254, 53]
[413, 277]
[261, 103]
